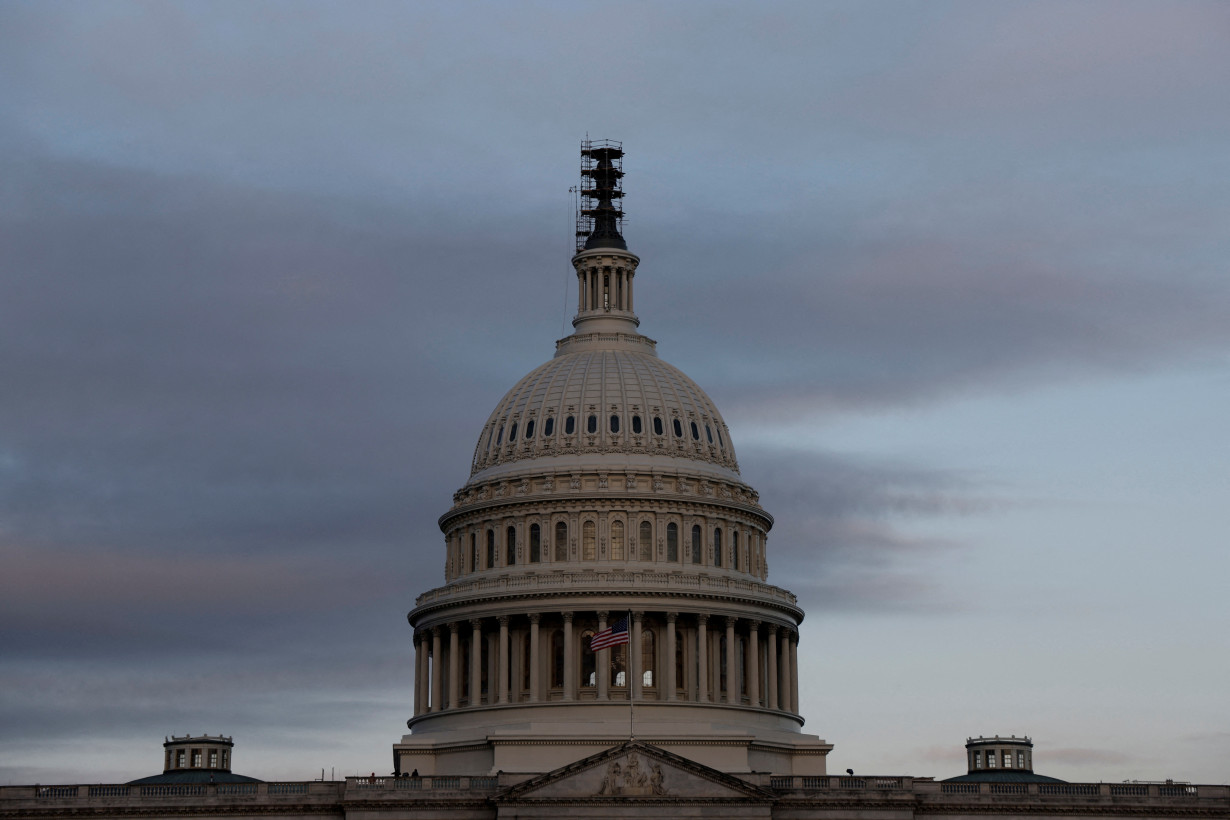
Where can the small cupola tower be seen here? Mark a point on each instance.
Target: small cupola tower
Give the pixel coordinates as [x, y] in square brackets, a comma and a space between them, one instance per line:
[605, 269]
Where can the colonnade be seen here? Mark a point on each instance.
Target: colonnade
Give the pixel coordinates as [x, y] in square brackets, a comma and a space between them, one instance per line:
[604, 288]
[670, 656]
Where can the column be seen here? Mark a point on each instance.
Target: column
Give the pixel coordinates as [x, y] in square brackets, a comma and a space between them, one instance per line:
[784, 677]
[753, 663]
[437, 671]
[502, 668]
[671, 683]
[634, 658]
[770, 646]
[570, 660]
[418, 676]
[794, 673]
[732, 668]
[602, 663]
[535, 658]
[702, 658]
[454, 665]
[476, 662]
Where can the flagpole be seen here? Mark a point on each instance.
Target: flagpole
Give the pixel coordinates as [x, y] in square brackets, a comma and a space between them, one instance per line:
[631, 704]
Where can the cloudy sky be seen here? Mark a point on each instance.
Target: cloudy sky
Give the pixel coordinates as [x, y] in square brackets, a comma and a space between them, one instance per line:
[954, 272]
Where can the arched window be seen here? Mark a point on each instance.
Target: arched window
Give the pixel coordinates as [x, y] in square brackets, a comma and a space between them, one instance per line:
[588, 678]
[535, 543]
[636, 425]
[672, 542]
[648, 658]
[557, 658]
[695, 432]
[561, 541]
[657, 426]
[570, 425]
[696, 556]
[589, 541]
[617, 541]
[490, 549]
[591, 424]
[619, 665]
[512, 432]
[709, 433]
[529, 429]
[614, 424]
[717, 547]
[678, 428]
[646, 541]
[511, 546]
[548, 426]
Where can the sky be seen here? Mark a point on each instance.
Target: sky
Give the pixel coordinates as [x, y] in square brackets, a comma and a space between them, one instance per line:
[954, 272]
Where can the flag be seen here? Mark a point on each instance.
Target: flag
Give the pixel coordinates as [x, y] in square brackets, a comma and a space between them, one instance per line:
[613, 635]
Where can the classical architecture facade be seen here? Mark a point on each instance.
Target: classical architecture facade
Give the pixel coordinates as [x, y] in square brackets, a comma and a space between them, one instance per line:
[605, 489]
[604, 494]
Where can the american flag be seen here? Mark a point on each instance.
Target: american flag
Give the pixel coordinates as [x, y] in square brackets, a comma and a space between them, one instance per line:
[613, 635]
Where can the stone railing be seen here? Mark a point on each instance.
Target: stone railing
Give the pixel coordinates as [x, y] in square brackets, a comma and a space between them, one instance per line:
[426, 783]
[806, 783]
[604, 581]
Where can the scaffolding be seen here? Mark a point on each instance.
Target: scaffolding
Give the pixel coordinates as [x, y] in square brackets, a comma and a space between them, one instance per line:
[602, 171]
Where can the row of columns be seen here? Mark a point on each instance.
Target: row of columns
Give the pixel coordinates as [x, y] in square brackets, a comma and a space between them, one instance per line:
[781, 672]
[604, 289]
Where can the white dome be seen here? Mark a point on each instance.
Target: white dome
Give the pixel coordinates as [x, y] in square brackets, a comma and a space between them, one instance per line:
[605, 398]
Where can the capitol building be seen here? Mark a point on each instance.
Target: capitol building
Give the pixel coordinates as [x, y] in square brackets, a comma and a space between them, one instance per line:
[606, 642]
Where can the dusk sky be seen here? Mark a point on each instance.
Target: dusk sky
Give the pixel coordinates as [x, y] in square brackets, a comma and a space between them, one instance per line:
[954, 272]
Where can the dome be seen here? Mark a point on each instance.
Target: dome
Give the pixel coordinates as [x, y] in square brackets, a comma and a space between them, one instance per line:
[605, 398]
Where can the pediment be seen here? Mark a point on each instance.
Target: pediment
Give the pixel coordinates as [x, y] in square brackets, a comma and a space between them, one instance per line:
[634, 771]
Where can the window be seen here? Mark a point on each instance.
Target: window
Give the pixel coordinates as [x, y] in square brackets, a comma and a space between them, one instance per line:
[1020, 760]
[588, 678]
[499, 439]
[525, 661]
[696, 544]
[196, 758]
[529, 429]
[734, 549]
[1007, 760]
[977, 760]
[570, 425]
[179, 759]
[619, 664]
[991, 759]
[591, 424]
[213, 758]
[657, 426]
[645, 540]
[561, 541]
[490, 549]
[535, 543]
[511, 545]
[678, 428]
[614, 424]
[720, 442]
[636, 425]
[648, 658]
[225, 762]
[557, 658]
[717, 547]
[617, 541]
[473, 551]
[708, 434]
[695, 432]
[548, 426]
[512, 432]
[589, 541]
[672, 542]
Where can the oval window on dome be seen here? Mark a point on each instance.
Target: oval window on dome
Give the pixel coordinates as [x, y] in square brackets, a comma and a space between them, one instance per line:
[512, 432]
[720, 442]
[657, 425]
[614, 424]
[548, 426]
[636, 425]
[695, 432]
[529, 429]
[678, 429]
[570, 425]
[591, 424]
[709, 433]
[499, 439]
